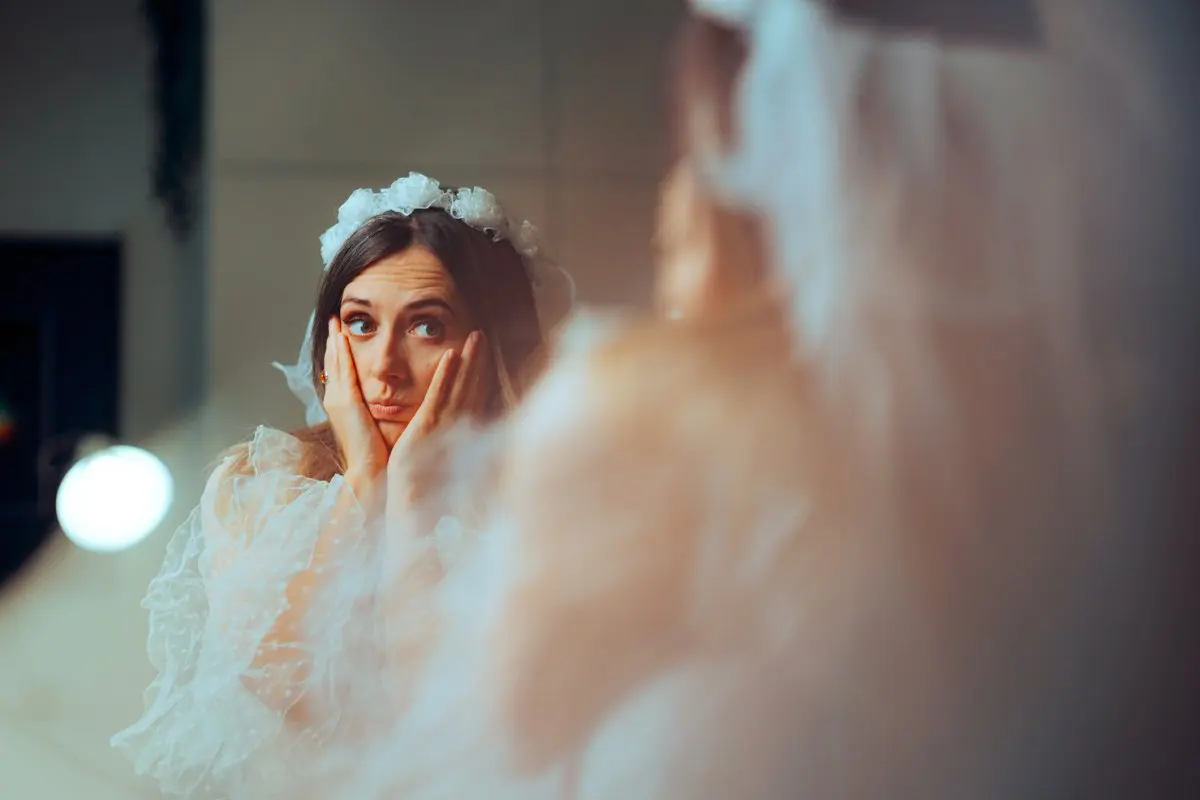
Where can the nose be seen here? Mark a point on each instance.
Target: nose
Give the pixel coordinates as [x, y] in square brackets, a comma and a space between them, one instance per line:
[390, 360]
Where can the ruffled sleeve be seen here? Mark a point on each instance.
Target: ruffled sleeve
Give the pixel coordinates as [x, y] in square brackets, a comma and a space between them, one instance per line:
[217, 708]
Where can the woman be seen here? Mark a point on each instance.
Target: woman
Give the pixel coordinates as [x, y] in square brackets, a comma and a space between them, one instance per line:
[846, 527]
[426, 313]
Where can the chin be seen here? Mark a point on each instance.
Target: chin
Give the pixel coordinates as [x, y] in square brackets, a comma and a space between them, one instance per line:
[392, 431]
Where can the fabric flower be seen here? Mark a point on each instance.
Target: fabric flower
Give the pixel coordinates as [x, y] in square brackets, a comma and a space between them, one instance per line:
[479, 209]
[415, 191]
[358, 208]
[333, 239]
[526, 240]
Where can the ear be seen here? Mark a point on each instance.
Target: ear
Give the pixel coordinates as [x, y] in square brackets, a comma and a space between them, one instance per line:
[709, 255]
[685, 263]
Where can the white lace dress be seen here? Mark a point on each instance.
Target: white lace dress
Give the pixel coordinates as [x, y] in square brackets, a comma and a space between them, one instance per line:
[537, 651]
[220, 717]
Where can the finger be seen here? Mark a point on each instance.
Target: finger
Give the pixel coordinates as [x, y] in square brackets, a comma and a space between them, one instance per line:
[331, 350]
[347, 373]
[439, 389]
[460, 392]
[475, 391]
[477, 395]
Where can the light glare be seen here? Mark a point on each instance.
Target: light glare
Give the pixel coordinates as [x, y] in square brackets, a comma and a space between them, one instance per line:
[113, 499]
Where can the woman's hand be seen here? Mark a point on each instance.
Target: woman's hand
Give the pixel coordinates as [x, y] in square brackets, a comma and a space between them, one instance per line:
[362, 443]
[459, 387]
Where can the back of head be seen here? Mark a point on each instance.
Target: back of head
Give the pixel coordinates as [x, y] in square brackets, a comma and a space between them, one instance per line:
[949, 216]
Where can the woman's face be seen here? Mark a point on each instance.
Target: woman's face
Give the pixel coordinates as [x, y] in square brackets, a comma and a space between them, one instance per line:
[400, 315]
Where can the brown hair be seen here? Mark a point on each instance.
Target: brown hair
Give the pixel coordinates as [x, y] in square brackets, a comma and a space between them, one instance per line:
[490, 276]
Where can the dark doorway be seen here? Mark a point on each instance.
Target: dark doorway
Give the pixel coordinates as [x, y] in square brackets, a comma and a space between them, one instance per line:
[59, 375]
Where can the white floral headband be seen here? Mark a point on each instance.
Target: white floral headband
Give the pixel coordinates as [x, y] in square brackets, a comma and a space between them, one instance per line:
[474, 206]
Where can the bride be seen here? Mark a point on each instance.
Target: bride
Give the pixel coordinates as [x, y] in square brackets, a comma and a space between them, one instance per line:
[426, 313]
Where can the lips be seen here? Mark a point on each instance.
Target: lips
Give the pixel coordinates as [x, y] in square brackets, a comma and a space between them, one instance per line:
[389, 412]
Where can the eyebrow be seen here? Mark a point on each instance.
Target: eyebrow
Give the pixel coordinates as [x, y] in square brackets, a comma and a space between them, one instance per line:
[416, 305]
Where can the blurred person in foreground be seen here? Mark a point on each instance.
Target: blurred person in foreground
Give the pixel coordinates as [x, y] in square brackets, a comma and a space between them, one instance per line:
[876, 515]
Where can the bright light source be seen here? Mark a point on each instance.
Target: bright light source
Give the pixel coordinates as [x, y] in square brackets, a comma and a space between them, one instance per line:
[114, 498]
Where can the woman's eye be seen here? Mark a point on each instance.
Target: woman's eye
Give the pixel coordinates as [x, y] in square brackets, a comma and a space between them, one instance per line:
[429, 329]
[359, 326]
